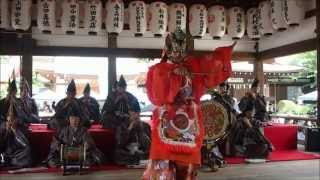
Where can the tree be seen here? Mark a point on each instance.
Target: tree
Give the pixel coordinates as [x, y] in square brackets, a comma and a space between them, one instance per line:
[308, 61]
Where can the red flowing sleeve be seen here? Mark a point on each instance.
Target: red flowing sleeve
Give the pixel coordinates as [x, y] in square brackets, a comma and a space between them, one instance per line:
[210, 70]
[162, 84]
[217, 66]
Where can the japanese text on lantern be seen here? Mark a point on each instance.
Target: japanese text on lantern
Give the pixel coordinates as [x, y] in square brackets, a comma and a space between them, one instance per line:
[116, 17]
[73, 13]
[46, 10]
[93, 16]
[222, 28]
[286, 9]
[161, 19]
[255, 22]
[179, 19]
[239, 21]
[139, 16]
[201, 21]
[18, 14]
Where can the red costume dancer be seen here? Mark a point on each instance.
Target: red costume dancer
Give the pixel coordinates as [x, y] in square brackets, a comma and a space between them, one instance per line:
[175, 86]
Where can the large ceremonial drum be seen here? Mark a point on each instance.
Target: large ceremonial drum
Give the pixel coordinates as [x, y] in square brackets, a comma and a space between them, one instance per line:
[216, 120]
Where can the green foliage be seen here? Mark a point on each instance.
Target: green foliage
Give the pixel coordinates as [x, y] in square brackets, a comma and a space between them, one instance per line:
[308, 61]
[291, 108]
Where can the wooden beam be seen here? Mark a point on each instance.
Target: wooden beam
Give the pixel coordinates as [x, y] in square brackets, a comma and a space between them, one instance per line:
[112, 62]
[26, 61]
[318, 57]
[310, 13]
[119, 52]
[298, 47]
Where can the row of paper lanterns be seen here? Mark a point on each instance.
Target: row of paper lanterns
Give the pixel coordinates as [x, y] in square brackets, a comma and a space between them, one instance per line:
[268, 17]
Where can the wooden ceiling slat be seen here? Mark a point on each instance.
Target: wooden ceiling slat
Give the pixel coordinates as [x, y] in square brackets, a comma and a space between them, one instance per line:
[298, 47]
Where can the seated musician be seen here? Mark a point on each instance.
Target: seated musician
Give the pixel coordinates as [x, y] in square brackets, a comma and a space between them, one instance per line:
[14, 146]
[121, 113]
[28, 104]
[259, 103]
[91, 105]
[246, 136]
[60, 119]
[74, 135]
[5, 102]
[224, 92]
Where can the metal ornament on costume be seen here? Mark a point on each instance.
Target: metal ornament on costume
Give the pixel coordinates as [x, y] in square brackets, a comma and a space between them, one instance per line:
[175, 46]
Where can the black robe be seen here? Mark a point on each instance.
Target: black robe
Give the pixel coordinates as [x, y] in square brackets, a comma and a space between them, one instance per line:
[114, 113]
[247, 141]
[71, 137]
[92, 107]
[22, 118]
[260, 108]
[116, 116]
[14, 147]
[259, 104]
[29, 107]
[63, 108]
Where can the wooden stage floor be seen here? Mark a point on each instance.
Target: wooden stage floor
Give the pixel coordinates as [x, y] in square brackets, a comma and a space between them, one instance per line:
[289, 170]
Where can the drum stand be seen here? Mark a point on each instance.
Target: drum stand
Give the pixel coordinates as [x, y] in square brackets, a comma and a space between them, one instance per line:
[70, 165]
[211, 156]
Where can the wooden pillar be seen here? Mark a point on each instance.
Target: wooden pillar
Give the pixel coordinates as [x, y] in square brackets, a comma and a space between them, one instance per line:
[26, 46]
[190, 39]
[318, 56]
[112, 65]
[258, 69]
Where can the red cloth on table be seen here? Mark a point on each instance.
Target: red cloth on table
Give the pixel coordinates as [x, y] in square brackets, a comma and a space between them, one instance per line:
[40, 139]
[281, 136]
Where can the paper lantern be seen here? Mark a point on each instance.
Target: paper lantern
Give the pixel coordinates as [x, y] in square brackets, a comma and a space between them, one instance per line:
[158, 17]
[115, 16]
[293, 12]
[4, 14]
[236, 26]
[21, 14]
[277, 15]
[252, 24]
[93, 16]
[70, 16]
[177, 17]
[265, 25]
[138, 17]
[46, 19]
[198, 17]
[217, 21]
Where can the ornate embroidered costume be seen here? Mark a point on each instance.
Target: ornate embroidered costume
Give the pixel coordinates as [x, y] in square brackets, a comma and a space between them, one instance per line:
[175, 87]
